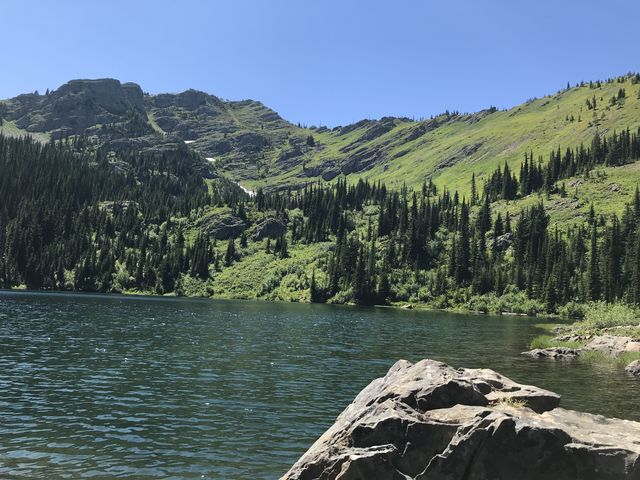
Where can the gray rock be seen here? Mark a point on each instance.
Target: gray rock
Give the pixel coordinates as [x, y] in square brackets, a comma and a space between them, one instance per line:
[330, 174]
[428, 421]
[632, 346]
[609, 344]
[503, 242]
[223, 226]
[189, 100]
[634, 368]
[78, 105]
[380, 128]
[271, 227]
[556, 353]
[572, 337]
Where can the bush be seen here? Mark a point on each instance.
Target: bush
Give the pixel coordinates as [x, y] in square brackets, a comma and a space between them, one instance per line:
[512, 301]
[572, 310]
[193, 287]
[603, 315]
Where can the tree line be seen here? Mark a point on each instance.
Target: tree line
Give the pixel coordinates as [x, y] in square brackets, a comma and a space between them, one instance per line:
[75, 217]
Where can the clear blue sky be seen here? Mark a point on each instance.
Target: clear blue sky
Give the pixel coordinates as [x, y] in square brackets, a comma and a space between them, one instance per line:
[326, 61]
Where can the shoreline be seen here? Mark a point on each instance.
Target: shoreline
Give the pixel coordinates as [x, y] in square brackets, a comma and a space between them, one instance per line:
[406, 306]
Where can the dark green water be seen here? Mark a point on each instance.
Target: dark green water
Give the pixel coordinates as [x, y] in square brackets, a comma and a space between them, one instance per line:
[95, 386]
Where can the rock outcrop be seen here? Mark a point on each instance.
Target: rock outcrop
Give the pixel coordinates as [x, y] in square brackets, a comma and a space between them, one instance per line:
[613, 345]
[223, 226]
[270, 227]
[78, 105]
[634, 368]
[431, 421]
[610, 344]
[503, 242]
[555, 353]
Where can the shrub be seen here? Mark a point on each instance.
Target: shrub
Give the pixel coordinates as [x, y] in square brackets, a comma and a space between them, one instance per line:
[518, 403]
[603, 315]
[512, 301]
[572, 310]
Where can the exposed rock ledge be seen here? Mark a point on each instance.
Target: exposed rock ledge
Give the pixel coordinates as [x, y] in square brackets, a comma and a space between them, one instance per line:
[431, 421]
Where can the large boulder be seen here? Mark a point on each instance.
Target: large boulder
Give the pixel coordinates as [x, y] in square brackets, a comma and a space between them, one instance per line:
[502, 243]
[223, 226]
[271, 227]
[610, 344]
[431, 421]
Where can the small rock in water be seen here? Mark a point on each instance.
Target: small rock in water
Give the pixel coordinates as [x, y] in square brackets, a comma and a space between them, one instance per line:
[634, 368]
[553, 352]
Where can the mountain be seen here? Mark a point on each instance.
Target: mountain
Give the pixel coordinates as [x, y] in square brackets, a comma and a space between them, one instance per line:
[250, 143]
[119, 190]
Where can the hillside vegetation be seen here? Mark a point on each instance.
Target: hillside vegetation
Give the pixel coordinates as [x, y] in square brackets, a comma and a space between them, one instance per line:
[124, 191]
[250, 143]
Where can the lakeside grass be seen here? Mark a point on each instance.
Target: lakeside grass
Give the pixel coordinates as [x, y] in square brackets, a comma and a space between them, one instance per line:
[600, 315]
[595, 356]
[600, 318]
[548, 341]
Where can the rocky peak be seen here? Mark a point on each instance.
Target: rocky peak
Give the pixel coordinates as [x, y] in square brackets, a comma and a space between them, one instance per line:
[77, 105]
[189, 100]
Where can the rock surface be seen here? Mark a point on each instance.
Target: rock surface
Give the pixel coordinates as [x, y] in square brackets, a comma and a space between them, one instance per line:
[431, 421]
[271, 227]
[223, 226]
[610, 344]
[553, 352]
[77, 105]
[634, 368]
[503, 242]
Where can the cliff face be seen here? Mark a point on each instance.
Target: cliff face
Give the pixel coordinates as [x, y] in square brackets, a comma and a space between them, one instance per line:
[431, 421]
[76, 106]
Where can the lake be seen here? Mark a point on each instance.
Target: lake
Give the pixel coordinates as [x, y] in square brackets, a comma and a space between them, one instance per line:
[139, 387]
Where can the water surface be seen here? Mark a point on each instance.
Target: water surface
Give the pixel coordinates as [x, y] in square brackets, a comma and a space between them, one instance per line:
[110, 386]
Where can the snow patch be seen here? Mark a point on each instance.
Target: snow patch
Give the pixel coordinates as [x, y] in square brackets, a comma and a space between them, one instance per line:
[251, 193]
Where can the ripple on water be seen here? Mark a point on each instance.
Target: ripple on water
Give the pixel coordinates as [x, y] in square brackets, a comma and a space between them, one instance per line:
[96, 386]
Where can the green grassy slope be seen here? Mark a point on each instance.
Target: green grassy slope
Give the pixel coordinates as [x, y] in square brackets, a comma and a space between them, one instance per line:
[609, 189]
[449, 148]
[9, 129]
[251, 144]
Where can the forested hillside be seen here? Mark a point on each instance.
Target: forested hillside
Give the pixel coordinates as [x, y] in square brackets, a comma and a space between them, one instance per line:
[77, 217]
[105, 188]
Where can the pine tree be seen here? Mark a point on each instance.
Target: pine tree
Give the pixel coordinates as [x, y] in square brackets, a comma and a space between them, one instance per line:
[230, 254]
[594, 268]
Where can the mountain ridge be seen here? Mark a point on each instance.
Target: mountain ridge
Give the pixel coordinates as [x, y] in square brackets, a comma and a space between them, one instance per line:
[251, 143]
